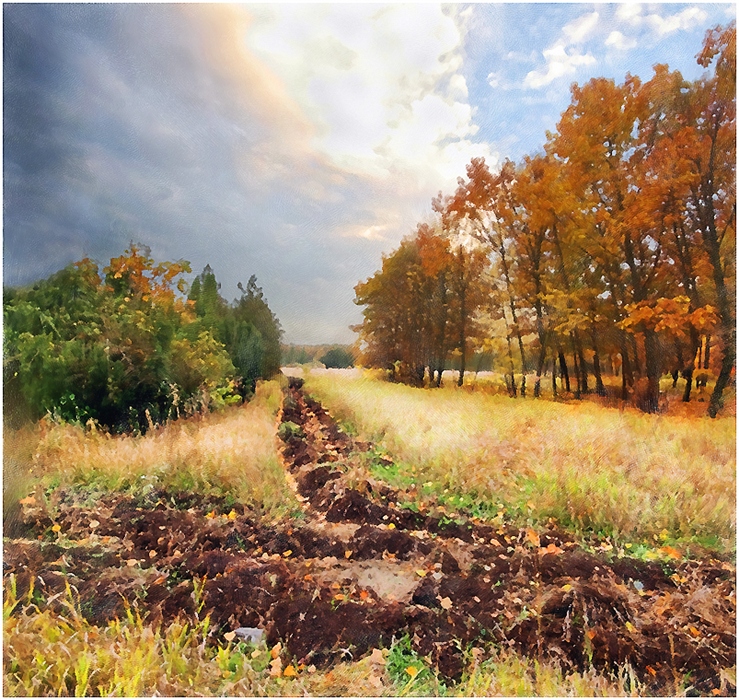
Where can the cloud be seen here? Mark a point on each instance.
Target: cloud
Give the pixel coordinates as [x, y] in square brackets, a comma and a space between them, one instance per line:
[185, 128]
[579, 30]
[618, 41]
[661, 25]
[686, 19]
[399, 100]
[560, 63]
[563, 58]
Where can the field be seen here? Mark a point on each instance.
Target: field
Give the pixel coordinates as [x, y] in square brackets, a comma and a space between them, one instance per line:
[428, 543]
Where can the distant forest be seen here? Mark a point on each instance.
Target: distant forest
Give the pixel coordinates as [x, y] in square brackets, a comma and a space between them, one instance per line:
[331, 356]
[611, 251]
[132, 345]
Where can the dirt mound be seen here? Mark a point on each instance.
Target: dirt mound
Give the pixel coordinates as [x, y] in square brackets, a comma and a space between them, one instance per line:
[359, 571]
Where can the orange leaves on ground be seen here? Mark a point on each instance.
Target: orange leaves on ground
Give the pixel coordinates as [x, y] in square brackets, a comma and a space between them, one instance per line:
[532, 536]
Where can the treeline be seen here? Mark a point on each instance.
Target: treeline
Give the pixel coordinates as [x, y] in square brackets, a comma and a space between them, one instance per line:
[612, 250]
[331, 356]
[130, 347]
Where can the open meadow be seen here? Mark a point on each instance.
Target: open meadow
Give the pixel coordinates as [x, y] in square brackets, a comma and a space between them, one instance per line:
[433, 542]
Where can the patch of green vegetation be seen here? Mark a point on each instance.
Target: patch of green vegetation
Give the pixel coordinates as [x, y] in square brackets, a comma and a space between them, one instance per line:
[410, 673]
[289, 430]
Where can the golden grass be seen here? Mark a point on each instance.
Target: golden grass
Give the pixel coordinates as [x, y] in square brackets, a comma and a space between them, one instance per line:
[48, 654]
[230, 452]
[621, 473]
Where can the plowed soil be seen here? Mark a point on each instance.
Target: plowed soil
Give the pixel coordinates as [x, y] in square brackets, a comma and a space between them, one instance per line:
[358, 570]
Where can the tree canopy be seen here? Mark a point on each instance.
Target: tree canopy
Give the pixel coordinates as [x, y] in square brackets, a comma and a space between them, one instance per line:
[614, 246]
[125, 347]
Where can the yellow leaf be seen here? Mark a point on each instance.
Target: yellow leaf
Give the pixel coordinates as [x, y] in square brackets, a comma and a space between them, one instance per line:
[391, 526]
[211, 515]
[290, 672]
[233, 515]
[287, 553]
[56, 528]
[348, 554]
[421, 572]
[694, 631]
[412, 671]
[567, 587]
[630, 627]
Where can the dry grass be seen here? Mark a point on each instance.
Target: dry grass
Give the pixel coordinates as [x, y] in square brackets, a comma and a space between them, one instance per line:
[233, 452]
[621, 473]
[62, 655]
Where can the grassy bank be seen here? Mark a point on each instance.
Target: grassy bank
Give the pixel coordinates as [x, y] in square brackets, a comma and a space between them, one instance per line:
[622, 474]
[232, 453]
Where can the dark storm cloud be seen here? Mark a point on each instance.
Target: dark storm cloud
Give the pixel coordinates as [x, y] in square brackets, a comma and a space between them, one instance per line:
[128, 122]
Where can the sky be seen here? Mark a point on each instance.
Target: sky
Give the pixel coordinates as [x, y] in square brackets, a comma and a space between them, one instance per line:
[297, 142]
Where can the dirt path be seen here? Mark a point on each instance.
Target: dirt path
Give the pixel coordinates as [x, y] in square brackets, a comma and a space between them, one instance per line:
[358, 571]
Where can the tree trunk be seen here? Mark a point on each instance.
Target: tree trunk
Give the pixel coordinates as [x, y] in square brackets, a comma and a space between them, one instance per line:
[512, 386]
[599, 388]
[554, 379]
[563, 370]
[707, 354]
[652, 363]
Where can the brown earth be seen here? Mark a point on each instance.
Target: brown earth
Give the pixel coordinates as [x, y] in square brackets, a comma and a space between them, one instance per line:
[358, 571]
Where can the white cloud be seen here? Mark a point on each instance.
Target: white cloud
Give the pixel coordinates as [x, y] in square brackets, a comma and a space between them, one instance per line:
[559, 64]
[564, 57]
[495, 78]
[381, 84]
[578, 30]
[629, 12]
[618, 41]
[683, 20]
[661, 25]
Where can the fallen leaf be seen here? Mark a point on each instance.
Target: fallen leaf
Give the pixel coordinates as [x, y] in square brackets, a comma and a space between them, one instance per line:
[275, 650]
[363, 595]
[412, 671]
[630, 627]
[347, 554]
[376, 657]
[671, 552]
[391, 526]
[290, 672]
[233, 515]
[308, 577]
[446, 603]
[551, 548]
[566, 588]
[132, 562]
[421, 572]
[230, 636]
[56, 528]
[94, 524]
[287, 553]
[275, 668]
[339, 596]
[694, 631]
[211, 515]
[152, 553]
[651, 670]
[590, 634]
[533, 537]
[28, 501]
